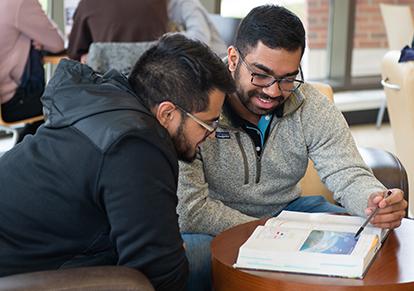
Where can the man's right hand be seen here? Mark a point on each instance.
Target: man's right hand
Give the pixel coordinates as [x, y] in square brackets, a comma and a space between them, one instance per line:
[391, 208]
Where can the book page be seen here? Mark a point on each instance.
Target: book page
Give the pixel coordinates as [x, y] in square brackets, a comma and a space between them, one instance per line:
[280, 239]
[329, 242]
[272, 238]
[323, 221]
[320, 218]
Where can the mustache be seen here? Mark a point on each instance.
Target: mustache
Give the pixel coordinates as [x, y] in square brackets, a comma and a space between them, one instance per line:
[261, 95]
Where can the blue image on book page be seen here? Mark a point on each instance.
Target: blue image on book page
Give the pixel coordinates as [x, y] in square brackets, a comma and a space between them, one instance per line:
[329, 242]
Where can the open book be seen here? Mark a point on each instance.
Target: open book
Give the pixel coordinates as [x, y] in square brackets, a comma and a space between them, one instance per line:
[312, 243]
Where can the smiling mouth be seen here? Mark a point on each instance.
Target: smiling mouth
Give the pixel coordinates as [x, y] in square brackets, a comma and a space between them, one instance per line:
[267, 99]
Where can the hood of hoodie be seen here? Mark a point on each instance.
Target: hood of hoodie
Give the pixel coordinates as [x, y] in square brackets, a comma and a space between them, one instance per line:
[76, 92]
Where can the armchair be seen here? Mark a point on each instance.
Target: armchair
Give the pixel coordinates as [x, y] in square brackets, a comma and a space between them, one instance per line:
[399, 34]
[386, 167]
[106, 278]
[398, 82]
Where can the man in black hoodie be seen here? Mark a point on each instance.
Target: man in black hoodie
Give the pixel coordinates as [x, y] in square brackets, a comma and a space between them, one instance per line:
[97, 183]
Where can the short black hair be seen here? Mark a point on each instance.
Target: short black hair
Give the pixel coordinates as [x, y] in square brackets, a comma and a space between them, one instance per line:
[179, 70]
[275, 26]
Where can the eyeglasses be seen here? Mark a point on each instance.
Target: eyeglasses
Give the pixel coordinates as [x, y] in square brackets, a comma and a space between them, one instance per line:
[285, 84]
[209, 127]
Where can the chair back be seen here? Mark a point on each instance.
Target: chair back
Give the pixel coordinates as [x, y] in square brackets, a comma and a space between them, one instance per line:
[398, 82]
[226, 26]
[399, 25]
[9, 127]
[122, 56]
[311, 183]
[99, 278]
[23, 121]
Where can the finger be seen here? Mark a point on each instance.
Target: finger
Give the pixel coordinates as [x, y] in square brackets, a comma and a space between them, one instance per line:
[396, 196]
[402, 205]
[388, 217]
[386, 209]
[390, 225]
[377, 198]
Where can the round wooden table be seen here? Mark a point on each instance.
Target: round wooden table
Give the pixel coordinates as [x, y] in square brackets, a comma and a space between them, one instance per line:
[392, 269]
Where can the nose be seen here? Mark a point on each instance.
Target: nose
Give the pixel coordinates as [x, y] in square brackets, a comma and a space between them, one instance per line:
[273, 90]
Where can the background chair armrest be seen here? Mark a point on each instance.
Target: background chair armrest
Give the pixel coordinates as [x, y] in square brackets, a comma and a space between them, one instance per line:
[115, 278]
[386, 167]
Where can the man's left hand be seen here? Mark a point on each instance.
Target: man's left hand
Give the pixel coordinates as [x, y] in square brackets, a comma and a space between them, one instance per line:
[391, 209]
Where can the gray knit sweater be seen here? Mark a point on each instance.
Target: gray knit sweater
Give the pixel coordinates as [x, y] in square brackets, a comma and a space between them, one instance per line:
[229, 184]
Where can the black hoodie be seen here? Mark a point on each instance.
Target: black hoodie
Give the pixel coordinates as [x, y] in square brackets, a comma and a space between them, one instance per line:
[96, 185]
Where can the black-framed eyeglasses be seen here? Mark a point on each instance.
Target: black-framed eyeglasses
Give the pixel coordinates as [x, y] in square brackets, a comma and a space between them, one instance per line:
[285, 84]
[212, 127]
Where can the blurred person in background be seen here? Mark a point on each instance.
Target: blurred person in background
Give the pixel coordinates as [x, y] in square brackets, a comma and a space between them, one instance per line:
[115, 21]
[24, 30]
[191, 18]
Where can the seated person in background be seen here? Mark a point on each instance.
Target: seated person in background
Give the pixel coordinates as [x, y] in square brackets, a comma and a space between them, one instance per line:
[96, 185]
[115, 21]
[24, 30]
[268, 131]
[190, 17]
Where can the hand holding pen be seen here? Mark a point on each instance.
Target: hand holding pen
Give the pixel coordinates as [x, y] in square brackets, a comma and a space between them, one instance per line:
[386, 209]
[371, 216]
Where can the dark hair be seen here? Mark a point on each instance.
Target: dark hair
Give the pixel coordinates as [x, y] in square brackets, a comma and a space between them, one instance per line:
[275, 26]
[179, 70]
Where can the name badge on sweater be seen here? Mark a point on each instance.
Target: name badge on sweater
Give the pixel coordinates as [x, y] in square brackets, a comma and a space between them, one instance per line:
[222, 134]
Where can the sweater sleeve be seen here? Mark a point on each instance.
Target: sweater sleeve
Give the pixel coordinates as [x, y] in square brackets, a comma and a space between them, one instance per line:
[198, 212]
[138, 192]
[32, 21]
[335, 154]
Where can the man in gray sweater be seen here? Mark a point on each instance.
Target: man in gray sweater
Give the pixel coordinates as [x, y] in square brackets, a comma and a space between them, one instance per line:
[269, 129]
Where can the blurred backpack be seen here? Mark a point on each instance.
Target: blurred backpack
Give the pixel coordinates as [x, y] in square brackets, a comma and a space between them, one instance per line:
[33, 79]
[26, 101]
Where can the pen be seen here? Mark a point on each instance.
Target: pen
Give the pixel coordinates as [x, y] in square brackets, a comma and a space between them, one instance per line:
[370, 217]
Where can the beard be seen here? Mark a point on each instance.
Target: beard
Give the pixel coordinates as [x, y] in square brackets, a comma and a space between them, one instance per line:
[245, 97]
[185, 152]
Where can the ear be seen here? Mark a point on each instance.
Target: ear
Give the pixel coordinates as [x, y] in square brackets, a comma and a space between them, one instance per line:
[233, 58]
[165, 113]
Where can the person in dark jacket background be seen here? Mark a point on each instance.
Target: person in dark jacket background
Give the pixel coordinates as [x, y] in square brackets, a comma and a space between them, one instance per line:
[115, 21]
[96, 185]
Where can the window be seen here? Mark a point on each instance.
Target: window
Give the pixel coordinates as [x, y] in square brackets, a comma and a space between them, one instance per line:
[231, 9]
[44, 4]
